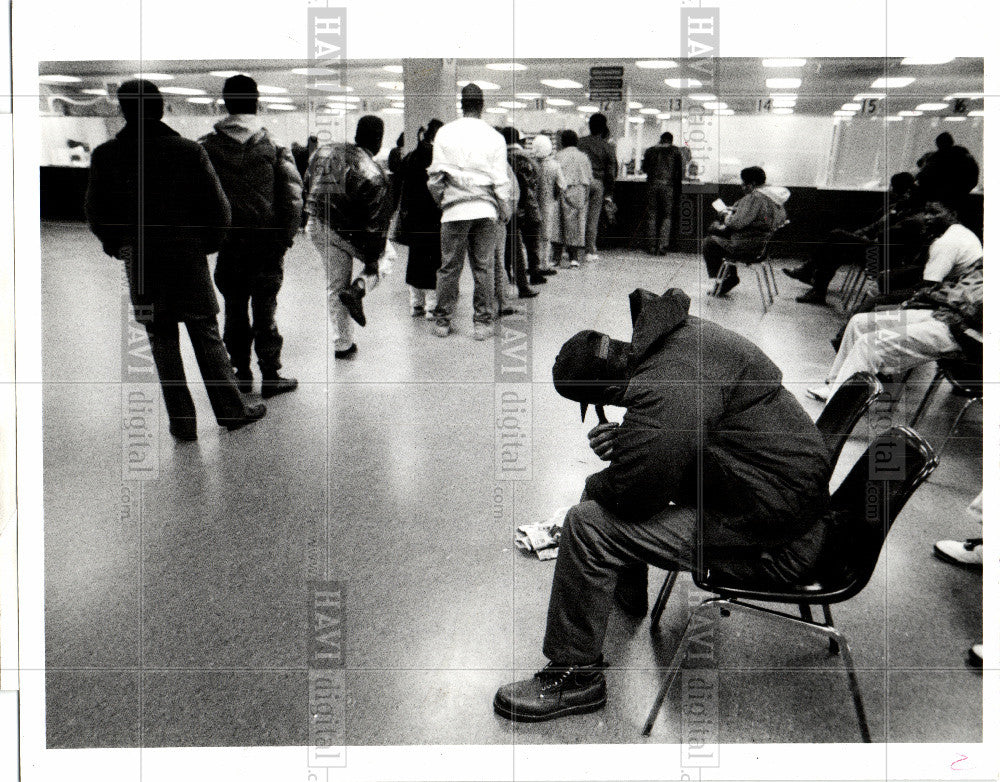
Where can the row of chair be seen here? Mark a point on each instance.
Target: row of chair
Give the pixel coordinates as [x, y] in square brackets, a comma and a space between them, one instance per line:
[865, 505]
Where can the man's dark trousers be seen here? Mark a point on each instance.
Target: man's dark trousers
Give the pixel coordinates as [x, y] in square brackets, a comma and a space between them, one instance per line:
[249, 278]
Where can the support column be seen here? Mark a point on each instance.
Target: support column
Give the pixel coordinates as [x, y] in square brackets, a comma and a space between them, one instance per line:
[429, 90]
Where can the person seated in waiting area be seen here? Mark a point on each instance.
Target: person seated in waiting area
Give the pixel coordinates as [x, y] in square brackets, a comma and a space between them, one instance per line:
[713, 454]
[850, 247]
[940, 320]
[948, 174]
[745, 227]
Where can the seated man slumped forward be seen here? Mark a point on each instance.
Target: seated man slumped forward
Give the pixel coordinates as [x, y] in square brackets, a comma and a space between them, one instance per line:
[713, 453]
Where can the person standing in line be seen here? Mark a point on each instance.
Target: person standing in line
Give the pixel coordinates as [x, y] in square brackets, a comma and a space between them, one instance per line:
[577, 180]
[501, 276]
[604, 166]
[350, 206]
[469, 181]
[164, 245]
[549, 183]
[663, 165]
[420, 225]
[265, 193]
[522, 230]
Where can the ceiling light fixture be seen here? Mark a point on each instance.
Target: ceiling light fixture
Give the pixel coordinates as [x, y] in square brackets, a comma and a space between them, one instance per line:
[892, 82]
[182, 91]
[506, 66]
[683, 84]
[561, 84]
[931, 106]
[655, 64]
[56, 78]
[782, 83]
[926, 60]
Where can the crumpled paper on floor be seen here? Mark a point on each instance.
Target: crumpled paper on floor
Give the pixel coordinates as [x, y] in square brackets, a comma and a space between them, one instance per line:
[542, 537]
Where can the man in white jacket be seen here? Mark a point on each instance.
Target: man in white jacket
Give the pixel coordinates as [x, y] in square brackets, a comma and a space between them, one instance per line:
[468, 179]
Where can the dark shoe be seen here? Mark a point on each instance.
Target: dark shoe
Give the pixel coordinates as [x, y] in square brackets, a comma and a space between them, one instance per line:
[346, 352]
[555, 691]
[244, 380]
[728, 284]
[351, 299]
[631, 592]
[185, 432]
[537, 279]
[250, 414]
[272, 385]
[548, 272]
[799, 274]
[812, 296]
[508, 311]
[527, 293]
[417, 312]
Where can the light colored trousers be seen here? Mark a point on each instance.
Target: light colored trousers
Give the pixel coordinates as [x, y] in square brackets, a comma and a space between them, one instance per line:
[340, 271]
[891, 341]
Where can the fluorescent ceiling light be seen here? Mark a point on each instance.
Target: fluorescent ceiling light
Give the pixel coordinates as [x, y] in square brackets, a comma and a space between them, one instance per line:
[783, 103]
[392, 110]
[511, 104]
[843, 113]
[783, 83]
[637, 120]
[977, 113]
[561, 84]
[588, 108]
[649, 111]
[391, 85]
[782, 111]
[635, 105]
[483, 85]
[559, 102]
[926, 60]
[222, 74]
[281, 106]
[850, 107]
[931, 106]
[663, 115]
[155, 76]
[393, 68]
[702, 96]
[909, 113]
[783, 62]
[94, 91]
[56, 78]
[653, 64]
[274, 99]
[682, 84]
[954, 119]
[182, 91]
[199, 100]
[869, 96]
[268, 89]
[715, 105]
[299, 72]
[495, 110]
[506, 66]
[967, 95]
[892, 82]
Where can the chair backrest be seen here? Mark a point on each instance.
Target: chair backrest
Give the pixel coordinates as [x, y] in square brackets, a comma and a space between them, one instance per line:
[762, 255]
[844, 410]
[967, 376]
[865, 505]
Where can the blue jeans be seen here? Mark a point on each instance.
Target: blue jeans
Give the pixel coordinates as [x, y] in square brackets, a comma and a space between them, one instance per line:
[479, 239]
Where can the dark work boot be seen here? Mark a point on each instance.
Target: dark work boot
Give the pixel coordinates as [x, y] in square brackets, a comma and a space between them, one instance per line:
[631, 591]
[731, 280]
[555, 691]
[250, 414]
[351, 297]
[274, 384]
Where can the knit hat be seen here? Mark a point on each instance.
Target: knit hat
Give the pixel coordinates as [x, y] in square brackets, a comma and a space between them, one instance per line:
[585, 370]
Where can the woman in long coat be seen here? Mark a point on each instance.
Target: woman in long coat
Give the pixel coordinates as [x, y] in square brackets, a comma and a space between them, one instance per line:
[577, 176]
[550, 182]
[420, 225]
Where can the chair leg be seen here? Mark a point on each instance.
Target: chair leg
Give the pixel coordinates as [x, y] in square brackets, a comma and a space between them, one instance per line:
[828, 618]
[958, 420]
[675, 662]
[774, 279]
[661, 599]
[852, 680]
[927, 398]
[760, 287]
[847, 286]
[806, 611]
[767, 282]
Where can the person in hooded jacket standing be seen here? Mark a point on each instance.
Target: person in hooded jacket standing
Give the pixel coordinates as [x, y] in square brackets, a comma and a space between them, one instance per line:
[264, 190]
[713, 454]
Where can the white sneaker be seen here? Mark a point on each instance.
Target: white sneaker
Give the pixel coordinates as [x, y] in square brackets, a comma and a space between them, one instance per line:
[574, 264]
[591, 257]
[968, 553]
[481, 331]
[822, 393]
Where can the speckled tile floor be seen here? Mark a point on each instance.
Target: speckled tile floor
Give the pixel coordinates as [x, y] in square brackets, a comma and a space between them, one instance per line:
[176, 611]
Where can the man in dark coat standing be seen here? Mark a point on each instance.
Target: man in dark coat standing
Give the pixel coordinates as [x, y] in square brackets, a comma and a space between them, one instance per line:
[663, 166]
[713, 454]
[155, 202]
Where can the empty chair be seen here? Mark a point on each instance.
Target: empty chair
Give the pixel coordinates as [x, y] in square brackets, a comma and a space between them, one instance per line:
[838, 419]
[863, 509]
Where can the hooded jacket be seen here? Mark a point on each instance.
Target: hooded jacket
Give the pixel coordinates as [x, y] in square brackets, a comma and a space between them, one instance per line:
[260, 178]
[709, 425]
[759, 213]
[184, 217]
[349, 192]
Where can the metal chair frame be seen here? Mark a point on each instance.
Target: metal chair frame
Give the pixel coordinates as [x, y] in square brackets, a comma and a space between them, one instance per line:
[967, 390]
[767, 283]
